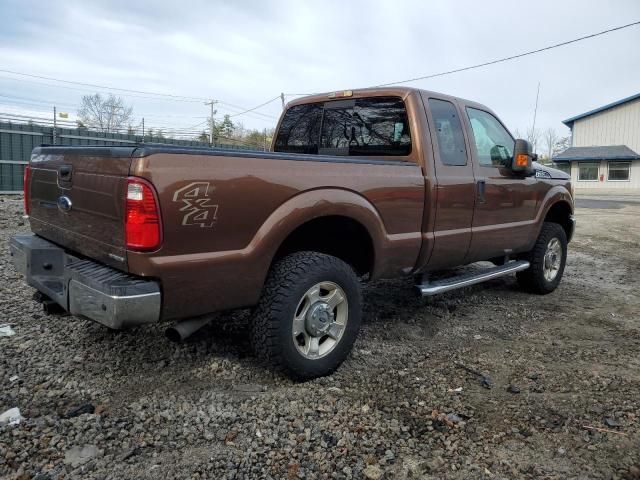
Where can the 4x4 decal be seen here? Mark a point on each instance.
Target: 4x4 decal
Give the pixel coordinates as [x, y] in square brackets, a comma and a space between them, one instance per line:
[196, 204]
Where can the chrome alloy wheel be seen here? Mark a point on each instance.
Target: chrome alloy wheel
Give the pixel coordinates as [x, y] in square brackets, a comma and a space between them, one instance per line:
[552, 259]
[320, 320]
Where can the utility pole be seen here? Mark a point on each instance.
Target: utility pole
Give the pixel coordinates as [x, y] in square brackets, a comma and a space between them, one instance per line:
[282, 98]
[213, 112]
[535, 113]
[54, 126]
[265, 139]
[142, 129]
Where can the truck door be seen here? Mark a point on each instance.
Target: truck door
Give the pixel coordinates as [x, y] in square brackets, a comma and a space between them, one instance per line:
[455, 191]
[505, 206]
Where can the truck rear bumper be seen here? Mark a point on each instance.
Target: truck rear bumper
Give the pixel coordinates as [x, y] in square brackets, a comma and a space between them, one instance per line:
[84, 287]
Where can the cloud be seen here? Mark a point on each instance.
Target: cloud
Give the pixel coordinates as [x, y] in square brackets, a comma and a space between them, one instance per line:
[244, 53]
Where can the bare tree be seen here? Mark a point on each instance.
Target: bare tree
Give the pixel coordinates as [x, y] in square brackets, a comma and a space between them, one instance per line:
[561, 145]
[550, 137]
[203, 137]
[105, 114]
[533, 135]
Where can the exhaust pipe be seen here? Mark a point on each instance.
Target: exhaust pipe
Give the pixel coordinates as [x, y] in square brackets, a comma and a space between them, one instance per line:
[183, 330]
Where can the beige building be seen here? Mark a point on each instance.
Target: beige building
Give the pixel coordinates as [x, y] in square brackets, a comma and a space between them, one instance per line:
[604, 152]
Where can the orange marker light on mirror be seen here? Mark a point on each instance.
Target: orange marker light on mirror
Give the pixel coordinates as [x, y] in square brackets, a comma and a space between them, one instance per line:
[522, 160]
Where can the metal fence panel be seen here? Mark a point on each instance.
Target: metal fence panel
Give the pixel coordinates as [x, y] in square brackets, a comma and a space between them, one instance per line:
[17, 141]
[11, 175]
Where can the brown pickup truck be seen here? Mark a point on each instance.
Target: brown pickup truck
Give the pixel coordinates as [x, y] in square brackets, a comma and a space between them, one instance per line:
[359, 185]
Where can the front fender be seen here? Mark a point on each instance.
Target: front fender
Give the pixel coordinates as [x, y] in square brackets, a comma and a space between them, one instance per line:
[557, 193]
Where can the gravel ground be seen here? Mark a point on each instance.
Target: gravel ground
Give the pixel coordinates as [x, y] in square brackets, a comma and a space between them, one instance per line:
[402, 406]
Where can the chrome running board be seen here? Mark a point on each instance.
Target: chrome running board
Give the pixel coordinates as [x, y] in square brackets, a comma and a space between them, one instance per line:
[441, 286]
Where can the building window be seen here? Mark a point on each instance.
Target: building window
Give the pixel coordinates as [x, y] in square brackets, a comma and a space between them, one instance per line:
[619, 171]
[587, 172]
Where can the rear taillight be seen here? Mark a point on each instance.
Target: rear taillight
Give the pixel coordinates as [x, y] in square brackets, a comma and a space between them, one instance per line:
[143, 225]
[27, 176]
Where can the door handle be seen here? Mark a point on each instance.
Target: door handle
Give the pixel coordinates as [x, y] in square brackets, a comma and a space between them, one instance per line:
[481, 186]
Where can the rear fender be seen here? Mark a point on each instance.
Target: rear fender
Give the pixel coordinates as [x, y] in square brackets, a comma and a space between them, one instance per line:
[393, 253]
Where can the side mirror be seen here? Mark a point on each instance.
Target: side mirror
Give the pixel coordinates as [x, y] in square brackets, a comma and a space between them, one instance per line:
[500, 156]
[522, 161]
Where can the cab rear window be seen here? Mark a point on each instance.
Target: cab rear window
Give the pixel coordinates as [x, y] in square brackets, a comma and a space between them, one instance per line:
[375, 126]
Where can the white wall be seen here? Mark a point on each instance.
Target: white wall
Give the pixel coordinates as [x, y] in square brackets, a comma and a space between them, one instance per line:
[633, 183]
[616, 126]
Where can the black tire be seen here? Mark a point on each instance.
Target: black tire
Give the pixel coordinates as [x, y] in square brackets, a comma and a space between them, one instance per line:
[533, 279]
[272, 325]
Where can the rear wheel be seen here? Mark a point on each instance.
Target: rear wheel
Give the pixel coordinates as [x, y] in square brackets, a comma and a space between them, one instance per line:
[308, 316]
[547, 259]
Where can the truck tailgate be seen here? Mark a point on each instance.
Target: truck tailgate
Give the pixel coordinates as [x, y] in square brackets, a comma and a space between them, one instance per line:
[76, 199]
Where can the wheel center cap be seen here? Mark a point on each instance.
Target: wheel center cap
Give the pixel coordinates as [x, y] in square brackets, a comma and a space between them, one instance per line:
[319, 318]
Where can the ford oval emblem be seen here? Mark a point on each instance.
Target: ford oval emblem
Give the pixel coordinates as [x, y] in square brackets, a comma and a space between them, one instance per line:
[64, 203]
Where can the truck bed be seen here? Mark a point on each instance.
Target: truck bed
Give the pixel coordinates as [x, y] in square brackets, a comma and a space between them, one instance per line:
[225, 213]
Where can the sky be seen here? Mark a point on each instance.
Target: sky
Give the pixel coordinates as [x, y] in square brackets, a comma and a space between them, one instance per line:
[245, 53]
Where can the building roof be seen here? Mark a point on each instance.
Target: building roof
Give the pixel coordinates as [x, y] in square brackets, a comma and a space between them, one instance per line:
[569, 121]
[586, 154]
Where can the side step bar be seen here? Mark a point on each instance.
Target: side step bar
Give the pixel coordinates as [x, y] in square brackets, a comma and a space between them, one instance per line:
[441, 286]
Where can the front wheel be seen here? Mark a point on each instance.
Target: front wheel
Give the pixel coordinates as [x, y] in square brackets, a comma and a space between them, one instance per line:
[308, 316]
[547, 259]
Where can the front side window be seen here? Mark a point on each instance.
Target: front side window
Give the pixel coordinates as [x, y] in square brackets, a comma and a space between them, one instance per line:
[493, 142]
[375, 126]
[619, 171]
[449, 136]
[588, 172]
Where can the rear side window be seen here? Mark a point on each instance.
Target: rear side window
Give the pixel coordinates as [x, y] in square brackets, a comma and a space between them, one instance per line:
[376, 126]
[300, 129]
[449, 136]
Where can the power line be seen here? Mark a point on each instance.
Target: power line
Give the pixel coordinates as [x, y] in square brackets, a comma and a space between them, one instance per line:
[35, 101]
[512, 57]
[245, 110]
[144, 94]
[197, 125]
[169, 97]
[93, 85]
[256, 107]
[92, 90]
[26, 101]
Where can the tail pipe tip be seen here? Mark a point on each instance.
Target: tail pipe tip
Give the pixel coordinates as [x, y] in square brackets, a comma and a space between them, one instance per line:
[183, 330]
